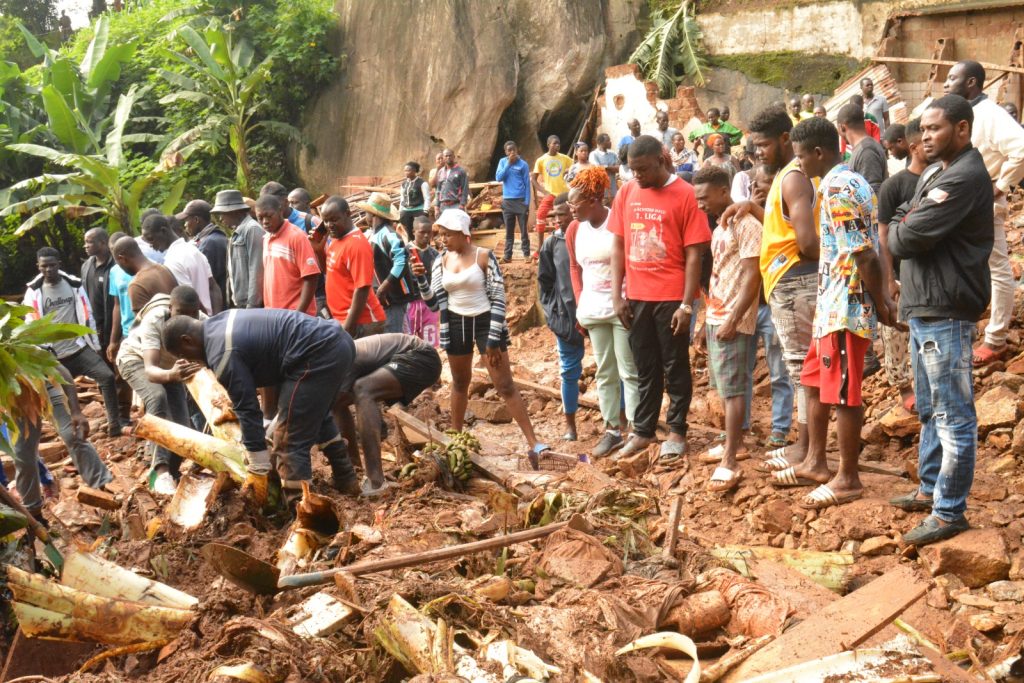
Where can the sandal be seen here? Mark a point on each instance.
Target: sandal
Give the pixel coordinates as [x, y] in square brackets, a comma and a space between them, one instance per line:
[824, 497]
[723, 480]
[788, 477]
[671, 450]
[715, 454]
[984, 354]
[777, 440]
[776, 464]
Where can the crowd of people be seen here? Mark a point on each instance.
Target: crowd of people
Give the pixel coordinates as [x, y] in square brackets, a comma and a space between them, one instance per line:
[800, 240]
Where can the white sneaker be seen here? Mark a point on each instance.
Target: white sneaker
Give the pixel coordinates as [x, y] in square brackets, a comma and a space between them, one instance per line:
[164, 485]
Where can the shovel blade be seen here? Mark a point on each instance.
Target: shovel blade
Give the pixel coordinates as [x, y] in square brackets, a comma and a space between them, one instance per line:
[242, 569]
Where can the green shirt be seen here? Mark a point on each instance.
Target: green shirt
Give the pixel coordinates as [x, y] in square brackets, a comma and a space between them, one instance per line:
[725, 128]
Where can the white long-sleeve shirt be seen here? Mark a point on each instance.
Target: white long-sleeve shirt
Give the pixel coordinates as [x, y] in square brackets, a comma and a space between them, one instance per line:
[1000, 140]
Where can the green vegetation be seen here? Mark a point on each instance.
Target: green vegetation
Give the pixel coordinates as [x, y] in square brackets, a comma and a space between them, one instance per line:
[793, 71]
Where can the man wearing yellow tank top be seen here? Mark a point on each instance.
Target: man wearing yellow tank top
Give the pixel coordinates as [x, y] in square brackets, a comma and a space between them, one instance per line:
[789, 258]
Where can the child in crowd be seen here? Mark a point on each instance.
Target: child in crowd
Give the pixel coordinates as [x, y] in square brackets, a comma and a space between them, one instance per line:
[683, 160]
[420, 321]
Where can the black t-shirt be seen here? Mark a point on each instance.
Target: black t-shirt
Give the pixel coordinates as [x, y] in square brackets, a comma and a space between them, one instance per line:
[896, 190]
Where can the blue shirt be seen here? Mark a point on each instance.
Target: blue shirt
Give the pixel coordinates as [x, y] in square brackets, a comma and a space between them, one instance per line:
[516, 179]
[118, 287]
[298, 219]
[391, 244]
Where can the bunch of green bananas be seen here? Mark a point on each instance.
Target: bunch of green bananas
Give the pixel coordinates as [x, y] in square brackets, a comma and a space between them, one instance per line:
[459, 463]
[408, 471]
[464, 439]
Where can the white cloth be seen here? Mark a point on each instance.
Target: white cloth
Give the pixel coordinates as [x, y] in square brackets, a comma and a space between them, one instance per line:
[467, 291]
[594, 254]
[149, 252]
[1000, 140]
[190, 267]
[741, 184]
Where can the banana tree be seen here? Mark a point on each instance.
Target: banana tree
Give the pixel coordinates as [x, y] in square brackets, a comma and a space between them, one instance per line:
[671, 50]
[94, 184]
[221, 77]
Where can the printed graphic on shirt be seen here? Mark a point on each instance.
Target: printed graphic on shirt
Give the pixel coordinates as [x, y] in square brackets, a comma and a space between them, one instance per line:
[553, 167]
[646, 241]
[849, 224]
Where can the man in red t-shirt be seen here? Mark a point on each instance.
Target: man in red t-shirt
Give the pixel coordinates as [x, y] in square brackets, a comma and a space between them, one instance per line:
[347, 260]
[290, 270]
[660, 235]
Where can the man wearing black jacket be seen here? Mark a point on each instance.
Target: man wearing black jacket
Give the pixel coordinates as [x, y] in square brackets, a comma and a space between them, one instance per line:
[944, 238]
[559, 302]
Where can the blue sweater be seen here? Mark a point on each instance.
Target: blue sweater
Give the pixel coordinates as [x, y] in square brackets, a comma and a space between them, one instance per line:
[515, 179]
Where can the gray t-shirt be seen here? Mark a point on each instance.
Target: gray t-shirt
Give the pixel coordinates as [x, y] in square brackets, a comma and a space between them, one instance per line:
[877, 106]
[59, 299]
[376, 351]
[868, 159]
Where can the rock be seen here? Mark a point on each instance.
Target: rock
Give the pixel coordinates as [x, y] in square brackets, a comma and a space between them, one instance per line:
[491, 411]
[977, 557]
[1017, 442]
[1003, 591]
[526, 68]
[971, 600]
[1016, 366]
[986, 622]
[898, 422]
[745, 493]
[878, 545]
[1005, 464]
[774, 517]
[537, 406]
[950, 585]
[997, 407]
[860, 519]
[999, 442]
[1017, 567]
[1010, 380]
[874, 433]
[988, 488]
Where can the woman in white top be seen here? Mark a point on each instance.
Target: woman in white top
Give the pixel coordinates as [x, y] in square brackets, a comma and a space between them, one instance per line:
[466, 286]
[590, 256]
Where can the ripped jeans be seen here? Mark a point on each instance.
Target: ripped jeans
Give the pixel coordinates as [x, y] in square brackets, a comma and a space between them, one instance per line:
[944, 389]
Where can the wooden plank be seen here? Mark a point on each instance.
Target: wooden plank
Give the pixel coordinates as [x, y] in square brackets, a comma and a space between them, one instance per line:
[97, 499]
[945, 62]
[938, 72]
[948, 670]
[840, 626]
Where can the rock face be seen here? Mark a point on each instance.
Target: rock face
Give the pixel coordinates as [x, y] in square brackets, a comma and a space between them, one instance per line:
[420, 76]
[977, 557]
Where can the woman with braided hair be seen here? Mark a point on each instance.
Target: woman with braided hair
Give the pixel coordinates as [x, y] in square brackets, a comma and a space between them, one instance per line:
[590, 256]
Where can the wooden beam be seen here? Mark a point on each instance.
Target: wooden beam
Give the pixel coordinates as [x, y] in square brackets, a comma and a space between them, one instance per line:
[839, 626]
[945, 62]
[942, 46]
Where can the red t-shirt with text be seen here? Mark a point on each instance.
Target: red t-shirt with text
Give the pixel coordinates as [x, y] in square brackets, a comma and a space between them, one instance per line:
[656, 225]
[288, 258]
[350, 267]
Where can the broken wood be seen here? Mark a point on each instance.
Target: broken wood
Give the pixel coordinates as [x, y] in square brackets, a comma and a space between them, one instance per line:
[97, 499]
[318, 616]
[842, 625]
[215, 405]
[668, 553]
[91, 574]
[216, 455]
[416, 559]
[733, 658]
[191, 501]
[945, 62]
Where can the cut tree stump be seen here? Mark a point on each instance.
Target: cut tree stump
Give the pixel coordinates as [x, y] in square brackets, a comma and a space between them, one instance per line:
[839, 626]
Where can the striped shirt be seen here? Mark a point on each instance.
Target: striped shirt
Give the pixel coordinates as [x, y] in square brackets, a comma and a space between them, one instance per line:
[436, 297]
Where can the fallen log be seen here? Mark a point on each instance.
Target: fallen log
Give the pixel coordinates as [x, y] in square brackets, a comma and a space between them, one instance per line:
[215, 405]
[216, 455]
[46, 609]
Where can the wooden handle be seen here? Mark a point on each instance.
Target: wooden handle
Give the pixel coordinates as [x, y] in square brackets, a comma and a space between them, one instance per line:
[38, 529]
[413, 559]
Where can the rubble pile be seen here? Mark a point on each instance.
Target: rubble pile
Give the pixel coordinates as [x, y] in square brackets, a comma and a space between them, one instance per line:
[614, 570]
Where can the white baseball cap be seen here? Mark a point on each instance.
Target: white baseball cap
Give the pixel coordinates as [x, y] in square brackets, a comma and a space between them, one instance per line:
[456, 220]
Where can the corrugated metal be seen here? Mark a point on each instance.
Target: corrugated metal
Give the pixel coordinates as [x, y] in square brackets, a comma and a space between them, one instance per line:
[885, 85]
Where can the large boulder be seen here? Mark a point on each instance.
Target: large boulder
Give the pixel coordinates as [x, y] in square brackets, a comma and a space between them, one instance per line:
[977, 557]
[421, 76]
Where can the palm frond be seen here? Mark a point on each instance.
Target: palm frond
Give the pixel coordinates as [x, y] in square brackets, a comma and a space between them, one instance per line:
[671, 51]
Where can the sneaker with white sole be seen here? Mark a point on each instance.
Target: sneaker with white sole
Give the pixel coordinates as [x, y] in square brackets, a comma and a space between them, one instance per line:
[608, 443]
[163, 484]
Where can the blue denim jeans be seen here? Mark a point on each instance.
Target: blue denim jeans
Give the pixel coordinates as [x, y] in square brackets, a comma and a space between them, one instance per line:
[940, 353]
[782, 388]
[570, 358]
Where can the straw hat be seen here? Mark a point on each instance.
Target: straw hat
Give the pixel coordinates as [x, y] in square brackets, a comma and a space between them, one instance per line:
[379, 204]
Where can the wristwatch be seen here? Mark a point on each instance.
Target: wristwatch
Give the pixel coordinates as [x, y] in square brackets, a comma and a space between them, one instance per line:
[686, 308]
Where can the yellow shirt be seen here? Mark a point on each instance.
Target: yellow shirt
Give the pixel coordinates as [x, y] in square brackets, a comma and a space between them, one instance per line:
[804, 115]
[779, 251]
[552, 172]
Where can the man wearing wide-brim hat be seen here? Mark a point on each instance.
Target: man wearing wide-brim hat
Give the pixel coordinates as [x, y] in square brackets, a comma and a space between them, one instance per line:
[245, 249]
[389, 259]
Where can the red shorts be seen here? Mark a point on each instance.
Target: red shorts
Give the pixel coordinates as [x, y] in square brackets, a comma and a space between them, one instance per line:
[543, 209]
[835, 365]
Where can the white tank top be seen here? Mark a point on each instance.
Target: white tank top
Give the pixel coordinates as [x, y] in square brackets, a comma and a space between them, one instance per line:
[467, 289]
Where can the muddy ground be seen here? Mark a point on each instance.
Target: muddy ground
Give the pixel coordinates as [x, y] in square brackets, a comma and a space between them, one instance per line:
[576, 596]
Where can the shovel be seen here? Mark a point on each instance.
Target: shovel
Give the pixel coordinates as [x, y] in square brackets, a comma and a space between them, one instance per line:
[52, 554]
[257, 576]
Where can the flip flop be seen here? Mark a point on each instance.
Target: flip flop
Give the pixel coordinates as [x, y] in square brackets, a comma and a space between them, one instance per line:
[775, 452]
[723, 480]
[776, 464]
[715, 454]
[671, 450]
[788, 477]
[983, 355]
[824, 497]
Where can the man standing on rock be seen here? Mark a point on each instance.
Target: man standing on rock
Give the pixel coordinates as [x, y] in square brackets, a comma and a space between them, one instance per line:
[659, 237]
[944, 240]
[789, 258]
[307, 357]
[851, 301]
[452, 185]
[1000, 141]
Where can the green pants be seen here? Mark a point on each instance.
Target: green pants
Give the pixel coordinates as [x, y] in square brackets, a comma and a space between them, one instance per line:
[616, 370]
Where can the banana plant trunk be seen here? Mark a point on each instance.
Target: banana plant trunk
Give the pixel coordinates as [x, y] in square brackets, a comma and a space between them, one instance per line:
[216, 455]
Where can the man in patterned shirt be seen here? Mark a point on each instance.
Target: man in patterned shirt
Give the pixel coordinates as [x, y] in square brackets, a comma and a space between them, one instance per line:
[851, 299]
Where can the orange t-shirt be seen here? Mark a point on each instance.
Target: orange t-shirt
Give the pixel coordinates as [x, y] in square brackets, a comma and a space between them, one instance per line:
[350, 267]
[656, 226]
[288, 258]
